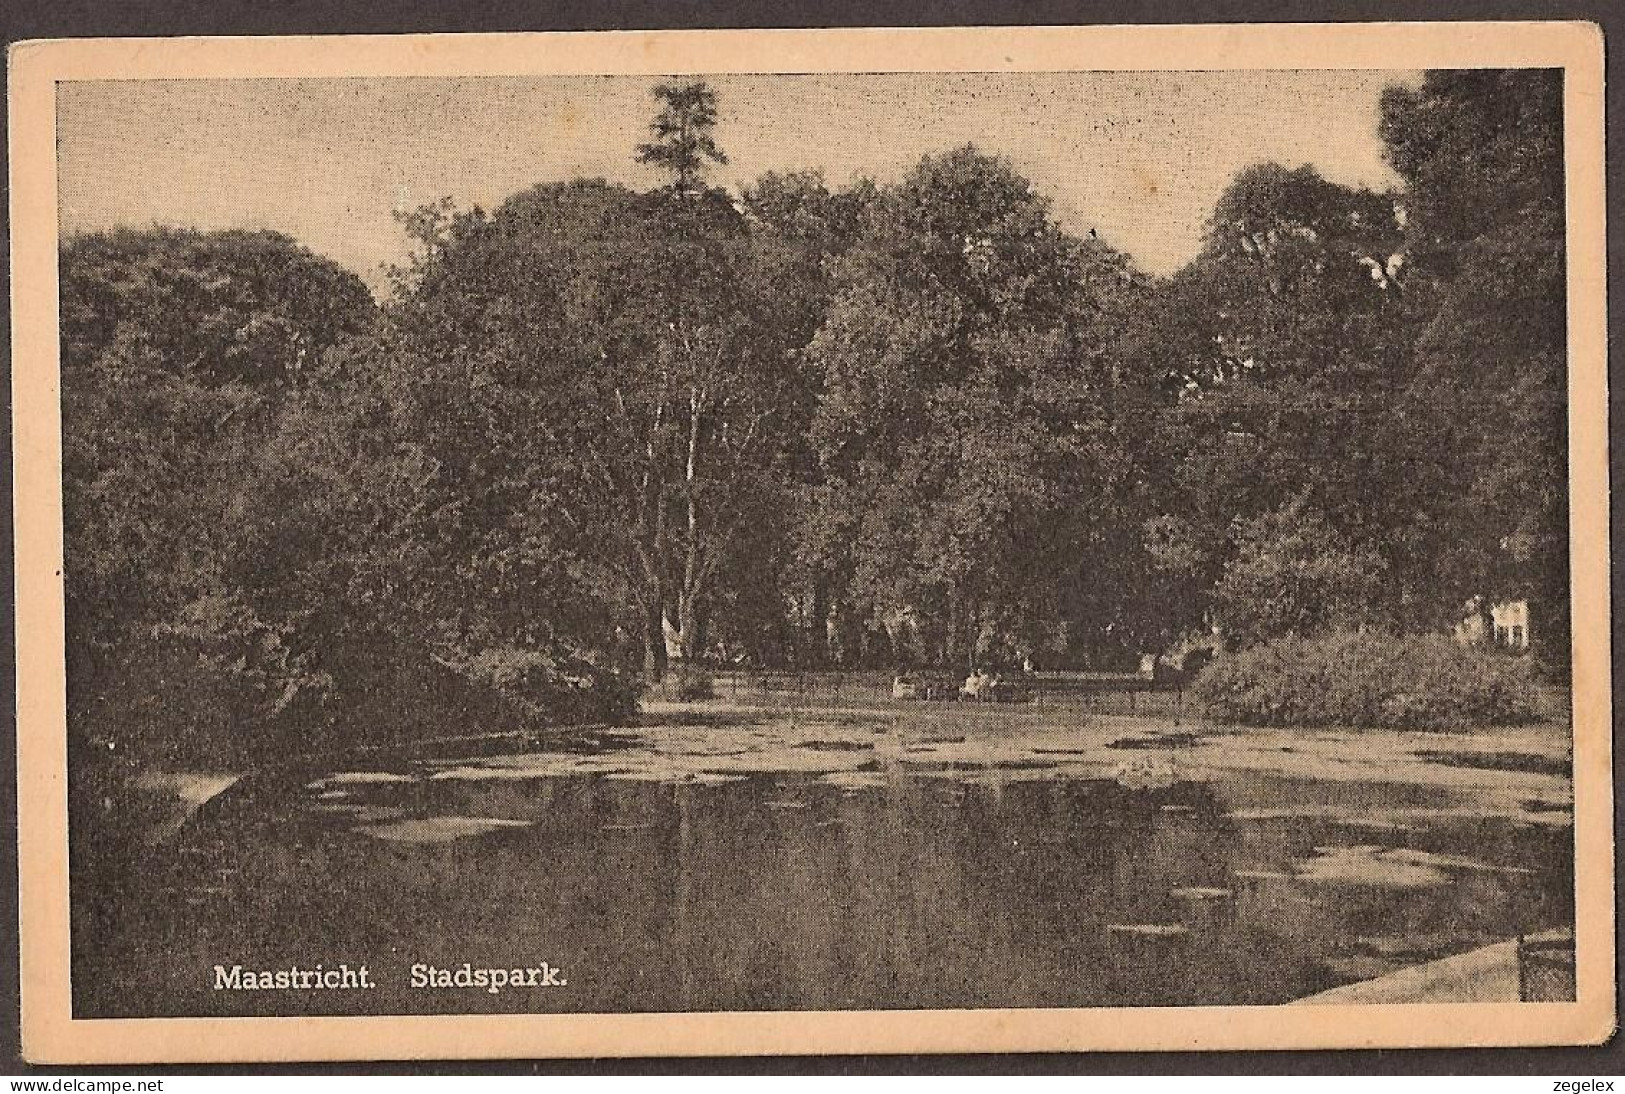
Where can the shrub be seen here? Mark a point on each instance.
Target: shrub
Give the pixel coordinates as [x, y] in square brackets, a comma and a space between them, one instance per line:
[694, 684]
[172, 701]
[1369, 679]
[217, 686]
[553, 686]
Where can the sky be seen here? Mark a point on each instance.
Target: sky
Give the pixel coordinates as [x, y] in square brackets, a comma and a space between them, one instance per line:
[1141, 157]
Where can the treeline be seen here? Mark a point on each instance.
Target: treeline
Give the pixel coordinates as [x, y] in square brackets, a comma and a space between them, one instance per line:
[596, 430]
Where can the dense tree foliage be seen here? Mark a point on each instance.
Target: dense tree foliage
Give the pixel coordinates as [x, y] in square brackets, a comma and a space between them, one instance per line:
[1292, 573]
[1284, 359]
[968, 435]
[1390, 364]
[646, 387]
[1485, 416]
[917, 421]
[179, 350]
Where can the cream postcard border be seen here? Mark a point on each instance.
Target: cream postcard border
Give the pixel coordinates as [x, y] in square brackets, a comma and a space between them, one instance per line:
[51, 1035]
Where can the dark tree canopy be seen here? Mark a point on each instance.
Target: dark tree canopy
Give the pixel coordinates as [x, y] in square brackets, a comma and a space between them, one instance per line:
[1481, 155]
[179, 349]
[234, 306]
[596, 429]
[1478, 150]
[964, 435]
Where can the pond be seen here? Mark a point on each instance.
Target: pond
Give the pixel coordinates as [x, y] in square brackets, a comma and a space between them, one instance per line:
[862, 869]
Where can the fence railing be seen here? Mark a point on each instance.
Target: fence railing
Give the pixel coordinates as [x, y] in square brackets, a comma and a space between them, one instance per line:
[1546, 968]
[1097, 693]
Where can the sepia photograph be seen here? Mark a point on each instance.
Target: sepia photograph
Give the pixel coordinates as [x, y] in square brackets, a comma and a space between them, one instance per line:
[706, 541]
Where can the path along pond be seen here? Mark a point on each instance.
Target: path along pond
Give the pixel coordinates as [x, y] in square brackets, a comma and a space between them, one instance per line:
[737, 859]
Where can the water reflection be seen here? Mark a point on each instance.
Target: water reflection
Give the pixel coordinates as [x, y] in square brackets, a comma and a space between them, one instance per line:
[786, 891]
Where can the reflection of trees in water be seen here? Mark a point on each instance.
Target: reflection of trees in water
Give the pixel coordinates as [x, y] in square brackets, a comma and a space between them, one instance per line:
[772, 892]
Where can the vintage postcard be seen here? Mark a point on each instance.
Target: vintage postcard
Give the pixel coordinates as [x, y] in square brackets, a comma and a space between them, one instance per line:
[812, 542]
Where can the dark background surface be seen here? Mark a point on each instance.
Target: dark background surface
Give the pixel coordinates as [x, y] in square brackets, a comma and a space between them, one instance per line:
[25, 19]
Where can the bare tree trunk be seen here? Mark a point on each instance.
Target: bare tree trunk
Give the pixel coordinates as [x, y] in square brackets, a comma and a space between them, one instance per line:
[688, 600]
[688, 628]
[818, 631]
[649, 545]
[654, 644]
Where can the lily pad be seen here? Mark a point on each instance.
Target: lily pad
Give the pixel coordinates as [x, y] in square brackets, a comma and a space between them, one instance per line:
[1148, 930]
[438, 829]
[1366, 865]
